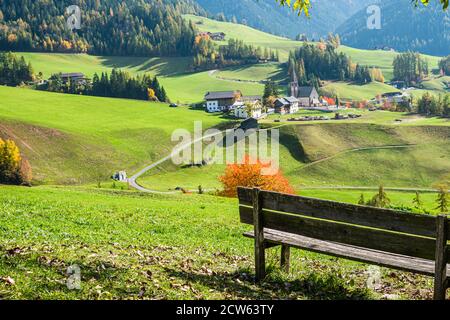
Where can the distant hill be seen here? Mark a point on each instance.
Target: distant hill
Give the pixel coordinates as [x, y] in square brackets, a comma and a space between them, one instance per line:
[268, 16]
[404, 28]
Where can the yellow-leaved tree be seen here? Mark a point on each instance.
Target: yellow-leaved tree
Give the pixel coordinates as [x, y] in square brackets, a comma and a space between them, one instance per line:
[13, 168]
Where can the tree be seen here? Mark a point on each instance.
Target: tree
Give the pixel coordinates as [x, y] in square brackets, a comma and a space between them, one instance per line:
[444, 65]
[442, 199]
[13, 168]
[380, 200]
[249, 174]
[417, 201]
[303, 6]
[151, 94]
[361, 201]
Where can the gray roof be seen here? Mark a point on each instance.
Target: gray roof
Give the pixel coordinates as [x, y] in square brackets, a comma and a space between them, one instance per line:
[282, 101]
[305, 91]
[251, 98]
[72, 75]
[220, 95]
[291, 99]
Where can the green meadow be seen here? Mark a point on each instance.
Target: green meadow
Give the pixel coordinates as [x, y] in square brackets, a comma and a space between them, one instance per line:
[136, 246]
[73, 139]
[367, 152]
[132, 245]
[188, 87]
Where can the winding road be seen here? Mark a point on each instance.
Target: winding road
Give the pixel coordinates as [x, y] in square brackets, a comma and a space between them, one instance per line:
[133, 183]
[132, 180]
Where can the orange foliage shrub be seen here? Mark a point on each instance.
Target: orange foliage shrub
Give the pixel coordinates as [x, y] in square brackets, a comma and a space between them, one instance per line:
[330, 101]
[249, 174]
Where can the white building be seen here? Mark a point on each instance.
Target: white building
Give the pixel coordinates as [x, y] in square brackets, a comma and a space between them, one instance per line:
[221, 101]
[248, 110]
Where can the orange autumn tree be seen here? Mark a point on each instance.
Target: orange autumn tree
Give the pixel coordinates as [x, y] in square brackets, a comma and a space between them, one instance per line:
[249, 174]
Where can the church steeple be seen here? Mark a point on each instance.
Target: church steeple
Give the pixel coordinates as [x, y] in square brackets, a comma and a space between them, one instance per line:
[294, 84]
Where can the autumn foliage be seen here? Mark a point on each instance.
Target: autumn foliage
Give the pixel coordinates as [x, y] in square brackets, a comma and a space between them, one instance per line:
[13, 168]
[330, 101]
[249, 174]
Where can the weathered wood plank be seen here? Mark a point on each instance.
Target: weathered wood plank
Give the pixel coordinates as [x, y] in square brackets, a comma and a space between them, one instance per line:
[285, 260]
[440, 277]
[354, 214]
[384, 259]
[258, 218]
[403, 244]
[353, 235]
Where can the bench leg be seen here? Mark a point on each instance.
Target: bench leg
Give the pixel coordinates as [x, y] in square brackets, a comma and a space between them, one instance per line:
[285, 257]
[440, 289]
[260, 245]
[440, 274]
[260, 261]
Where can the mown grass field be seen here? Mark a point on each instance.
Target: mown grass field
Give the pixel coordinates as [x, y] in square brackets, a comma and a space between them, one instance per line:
[374, 58]
[259, 72]
[357, 92]
[370, 151]
[181, 85]
[137, 246]
[186, 87]
[73, 139]
[382, 59]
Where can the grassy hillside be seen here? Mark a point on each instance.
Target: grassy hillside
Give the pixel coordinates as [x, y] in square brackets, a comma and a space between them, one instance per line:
[190, 87]
[437, 84]
[339, 154]
[248, 34]
[258, 72]
[358, 92]
[70, 138]
[180, 85]
[381, 59]
[378, 58]
[135, 246]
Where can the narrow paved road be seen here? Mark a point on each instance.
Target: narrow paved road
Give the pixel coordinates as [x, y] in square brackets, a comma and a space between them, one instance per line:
[132, 181]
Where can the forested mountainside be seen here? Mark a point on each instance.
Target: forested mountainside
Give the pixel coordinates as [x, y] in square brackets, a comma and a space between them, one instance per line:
[268, 16]
[108, 27]
[404, 27]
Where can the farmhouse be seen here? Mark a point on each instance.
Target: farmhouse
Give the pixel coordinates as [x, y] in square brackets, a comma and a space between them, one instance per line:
[75, 77]
[222, 100]
[286, 105]
[217, 36]
[248, 110]
[308, 97]
[395, 97]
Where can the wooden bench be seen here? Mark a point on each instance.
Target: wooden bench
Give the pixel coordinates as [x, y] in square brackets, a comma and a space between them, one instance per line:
[388, 238]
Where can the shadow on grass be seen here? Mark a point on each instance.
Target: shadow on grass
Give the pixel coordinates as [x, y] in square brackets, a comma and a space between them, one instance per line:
[240, 285]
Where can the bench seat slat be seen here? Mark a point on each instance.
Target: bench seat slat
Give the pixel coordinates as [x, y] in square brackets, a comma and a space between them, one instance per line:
[385, 259]
[398, 243]
[347, 213]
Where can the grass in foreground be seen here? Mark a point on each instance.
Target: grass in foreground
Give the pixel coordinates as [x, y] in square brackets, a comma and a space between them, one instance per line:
[135, 246]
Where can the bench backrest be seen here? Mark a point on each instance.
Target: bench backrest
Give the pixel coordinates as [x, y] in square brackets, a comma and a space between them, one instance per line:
[368, 227]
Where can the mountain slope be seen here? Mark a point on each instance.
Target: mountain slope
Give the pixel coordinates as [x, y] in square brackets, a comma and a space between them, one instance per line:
[103, 27]
[403, 28]
[267, 15]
